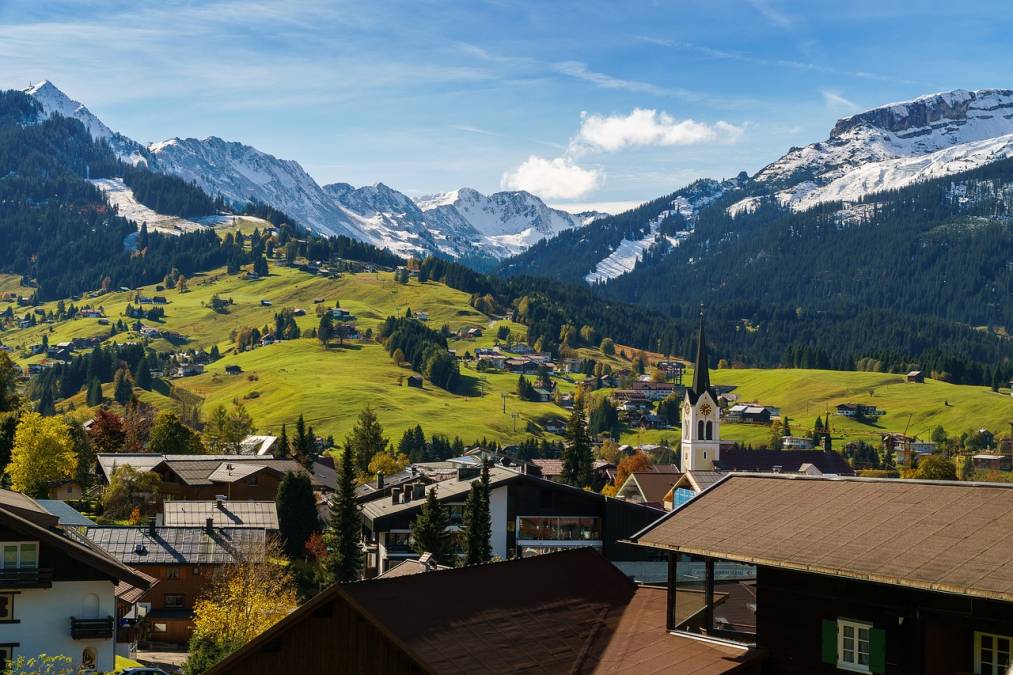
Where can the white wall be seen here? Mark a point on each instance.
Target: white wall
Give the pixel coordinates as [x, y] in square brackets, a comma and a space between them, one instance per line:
[45, 614]
[498, 515]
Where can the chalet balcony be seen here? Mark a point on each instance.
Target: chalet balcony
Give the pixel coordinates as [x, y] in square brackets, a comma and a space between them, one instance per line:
[35, 577]
[92, 629]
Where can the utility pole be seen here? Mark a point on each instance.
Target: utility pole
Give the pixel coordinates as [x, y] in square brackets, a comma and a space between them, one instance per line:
[504, 395]
[514, 415]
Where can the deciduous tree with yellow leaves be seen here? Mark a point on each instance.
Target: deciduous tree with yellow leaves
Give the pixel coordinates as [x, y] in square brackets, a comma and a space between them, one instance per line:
[244, 599]
[43, 452]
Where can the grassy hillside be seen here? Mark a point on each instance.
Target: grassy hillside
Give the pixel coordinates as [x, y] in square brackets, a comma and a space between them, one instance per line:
[331, 386]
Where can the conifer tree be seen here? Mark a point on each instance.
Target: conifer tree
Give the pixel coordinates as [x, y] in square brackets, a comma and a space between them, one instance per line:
[577, 458]
[94, 392]
[366, 439]
[283, 448]
[429, 531]
[478, 521]
[344, 562]
[123, 390]
[297, 511]
[142, 374]
[300, 446]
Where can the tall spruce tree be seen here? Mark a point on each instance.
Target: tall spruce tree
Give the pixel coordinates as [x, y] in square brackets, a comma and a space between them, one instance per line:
[300, 445]
[478, 521]
[344, 562]
[142, 374]
[297, 511]
[429, 531]
[283, 448]
[577, 458]
[94, 392]
[366, 439]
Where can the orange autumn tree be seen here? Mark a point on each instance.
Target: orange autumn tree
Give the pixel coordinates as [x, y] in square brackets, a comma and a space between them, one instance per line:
[638, 461]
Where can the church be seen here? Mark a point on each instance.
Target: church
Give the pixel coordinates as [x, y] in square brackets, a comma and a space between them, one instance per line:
[701, 436]
[701, 416]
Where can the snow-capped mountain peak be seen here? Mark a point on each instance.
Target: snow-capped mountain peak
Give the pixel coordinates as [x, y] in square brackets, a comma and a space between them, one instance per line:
[892, 146]
[463, 222]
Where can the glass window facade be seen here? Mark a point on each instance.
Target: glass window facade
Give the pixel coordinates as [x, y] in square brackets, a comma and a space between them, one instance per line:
[559, 528]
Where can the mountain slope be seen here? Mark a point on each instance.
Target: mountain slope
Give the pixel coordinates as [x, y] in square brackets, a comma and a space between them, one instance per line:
[890, 147]
[462, 224]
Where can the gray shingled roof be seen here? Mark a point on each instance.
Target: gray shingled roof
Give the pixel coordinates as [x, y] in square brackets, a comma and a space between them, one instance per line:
[263, 515]
[185, 545]
[146, 461]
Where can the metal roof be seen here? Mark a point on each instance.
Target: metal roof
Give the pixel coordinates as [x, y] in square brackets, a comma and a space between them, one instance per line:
[67, 514]
[944, 536]
[146, 461]
[182, 545]
[263, 515]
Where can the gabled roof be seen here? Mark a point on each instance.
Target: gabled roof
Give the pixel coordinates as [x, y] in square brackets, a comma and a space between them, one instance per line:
[128, 593]
[209, 472]
[652, 485]
[951, 537]
[789, 461]
[70, 544]
[146, 461]
[262, 515]
[180, 545]
[565, 612]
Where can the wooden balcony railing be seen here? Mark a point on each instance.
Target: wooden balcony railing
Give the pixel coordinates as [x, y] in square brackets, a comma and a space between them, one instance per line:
[91, 629]
[37, 577]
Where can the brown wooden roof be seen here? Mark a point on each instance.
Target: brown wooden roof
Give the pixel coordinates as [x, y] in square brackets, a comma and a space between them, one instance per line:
[566, 612]
[953, 537]
[640, 644]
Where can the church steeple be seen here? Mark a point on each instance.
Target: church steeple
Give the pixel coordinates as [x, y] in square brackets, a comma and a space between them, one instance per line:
[701, 376]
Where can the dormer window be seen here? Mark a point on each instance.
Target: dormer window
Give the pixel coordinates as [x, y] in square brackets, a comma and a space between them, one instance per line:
[20, 555]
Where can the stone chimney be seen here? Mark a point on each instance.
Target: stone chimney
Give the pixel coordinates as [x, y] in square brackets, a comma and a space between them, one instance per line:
[395, 495]
[152, 528]
[379, 480]
[209, 525]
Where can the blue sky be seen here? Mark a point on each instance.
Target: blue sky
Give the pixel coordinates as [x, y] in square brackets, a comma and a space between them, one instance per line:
[588, 102]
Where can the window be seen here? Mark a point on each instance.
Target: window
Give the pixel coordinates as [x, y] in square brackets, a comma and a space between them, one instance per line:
[6, 607]
[710, 431]
[20, 555]
[455, 512]
[251, 480]
[6, 656]
[398, 542]
[160, 628]
[173, 600]
[853, 645]
[699, 430]
[535, 528]
[992, 653]
[170, 573]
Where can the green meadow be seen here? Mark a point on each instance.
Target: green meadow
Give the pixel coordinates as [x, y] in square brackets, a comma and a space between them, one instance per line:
[330, 386]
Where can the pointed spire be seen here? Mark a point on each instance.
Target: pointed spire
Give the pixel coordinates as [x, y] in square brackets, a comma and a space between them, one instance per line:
[701, 376]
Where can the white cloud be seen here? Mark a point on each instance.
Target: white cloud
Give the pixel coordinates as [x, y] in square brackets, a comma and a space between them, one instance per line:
[650, 127]
[835, 101]
[557, 178]
[776, 17]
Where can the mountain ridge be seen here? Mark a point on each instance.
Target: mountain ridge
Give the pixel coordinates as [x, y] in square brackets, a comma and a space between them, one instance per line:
[377, 214]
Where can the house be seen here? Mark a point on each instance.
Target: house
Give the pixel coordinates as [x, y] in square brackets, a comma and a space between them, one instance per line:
[414, 381]
[67, 488]
[530, 515]
[564, 612]
[647, 487]
[222, 512]
[189, 370]
[555, 425]
[689, 485]
[233, 370]
[465, 332]
[263, 303]
[422, 316]
[848, 577]
[653, 391]
[915, 376]
[781, 461]
[57, 592]
[796, 443]
[747, 413]
[341, 314]
[991, 462]
[183, 559]
[859, 410]
[204, 477]
[652, 421]
[131, 612]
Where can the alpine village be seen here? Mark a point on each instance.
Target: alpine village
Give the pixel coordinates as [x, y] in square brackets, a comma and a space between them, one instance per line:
[253, 424]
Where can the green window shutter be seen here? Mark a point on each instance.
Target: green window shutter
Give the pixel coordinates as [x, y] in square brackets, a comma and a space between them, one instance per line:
[830, 642]
[877, 650]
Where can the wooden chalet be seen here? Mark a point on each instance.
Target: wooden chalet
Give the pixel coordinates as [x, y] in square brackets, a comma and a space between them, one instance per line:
[851, 574]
